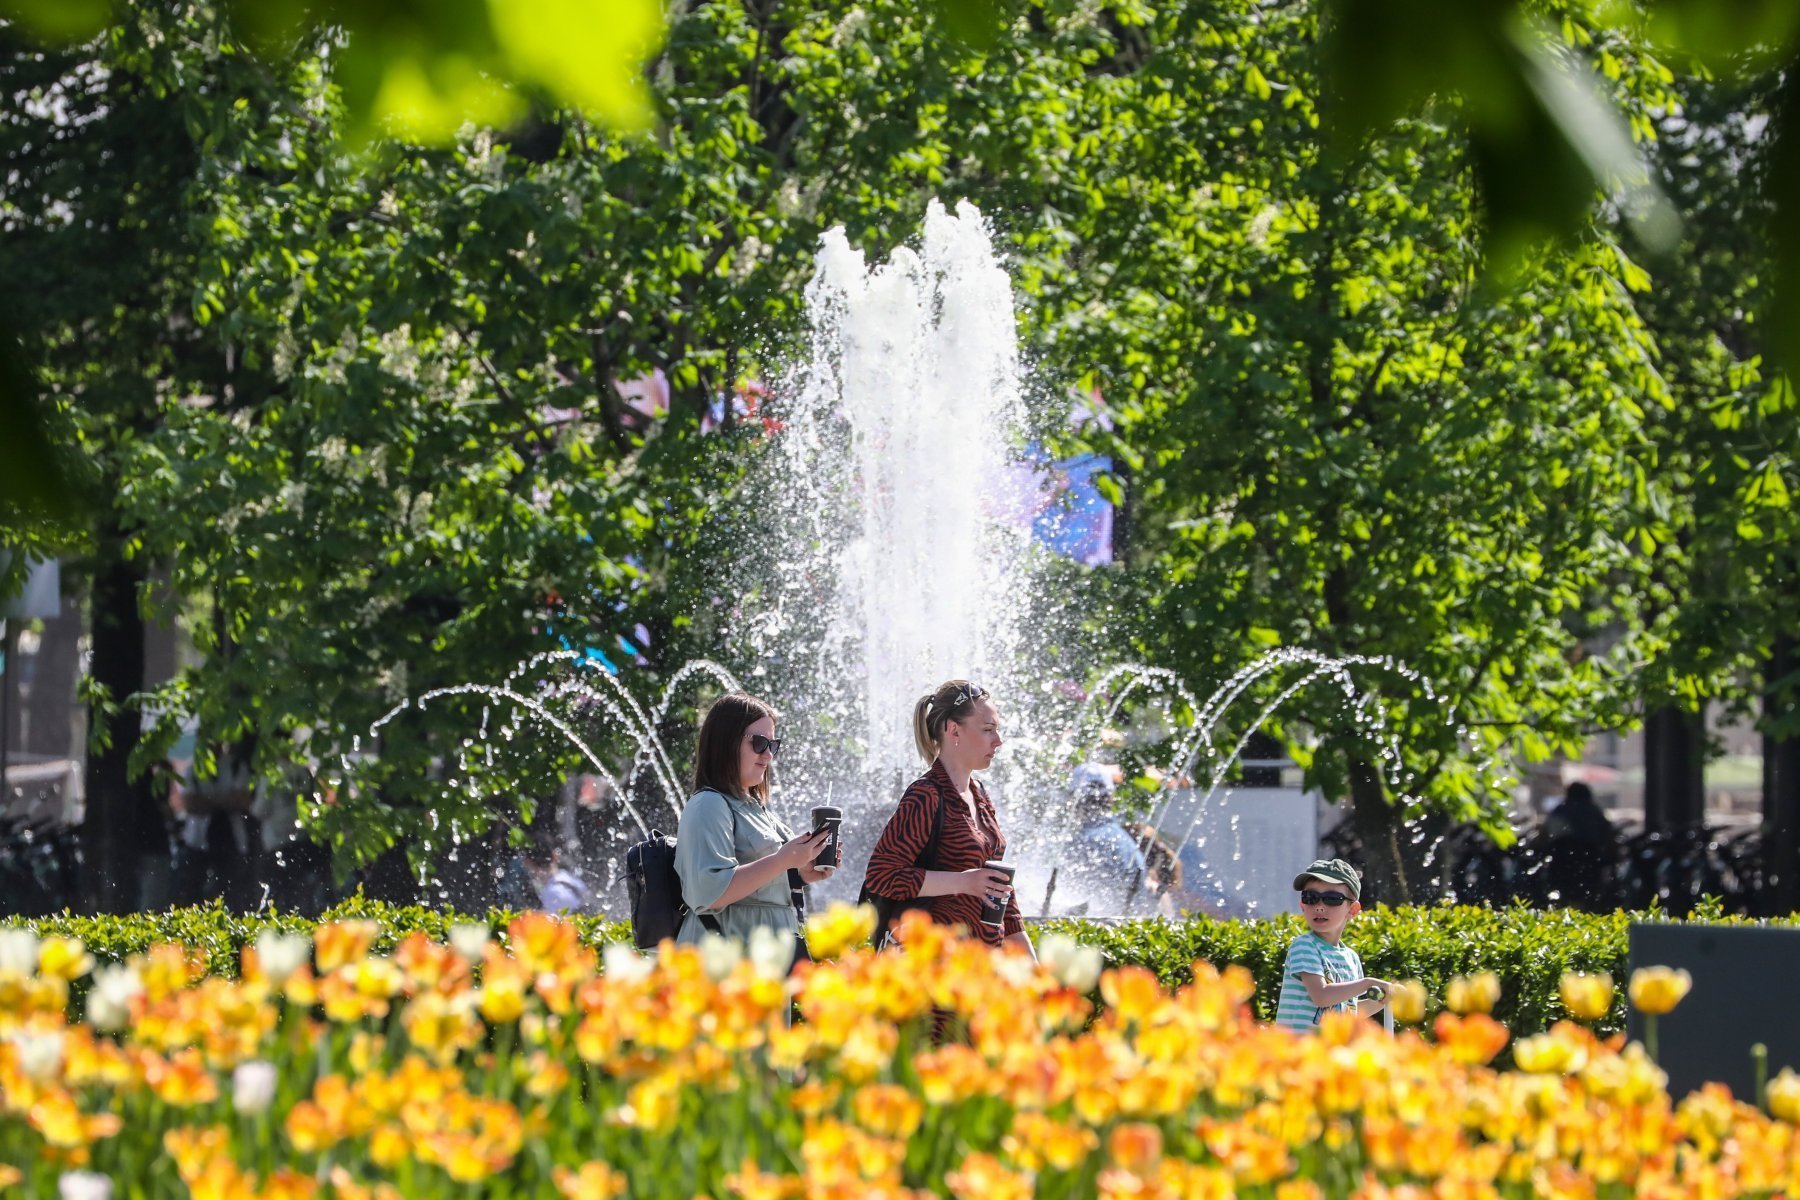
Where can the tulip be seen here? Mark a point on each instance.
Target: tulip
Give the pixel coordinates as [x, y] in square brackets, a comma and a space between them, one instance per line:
[1548, 1054]
[1137, 1147]
[771, 952]
[18, 951]
[109, 1004]
[340, 943]
[253, 1088]
[720, 955]
[1588, 997]
[1473, 993]
[64, 958]
[625, 964]
[1657, 990]
[503, 999]
[1784, 1096]
[888, 1109]
[1407, 1001]
[1472, 1039]
[1075, 966]
[594, 1181]
[40, 1054]
[470, 939]
[83, 1185]
[839, 928]
[281, 954]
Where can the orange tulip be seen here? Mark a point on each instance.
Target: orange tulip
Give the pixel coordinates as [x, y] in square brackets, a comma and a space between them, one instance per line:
[1471, 1039]
[593, 1181]
[339, 943]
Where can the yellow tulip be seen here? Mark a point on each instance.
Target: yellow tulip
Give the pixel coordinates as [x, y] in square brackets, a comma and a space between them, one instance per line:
[1547, 1054]
[1589, 997]
[1784, 1096]
[1407, 1000]
[1476, 993]
[502, 999]
[64, 958]
[1657, 990]
[839, 928]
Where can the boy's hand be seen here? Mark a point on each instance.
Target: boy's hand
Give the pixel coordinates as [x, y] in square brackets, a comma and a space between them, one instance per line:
[1370, 983]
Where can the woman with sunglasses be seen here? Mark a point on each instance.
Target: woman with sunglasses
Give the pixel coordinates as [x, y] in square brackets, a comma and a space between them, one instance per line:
[957, 729]
[732, 852]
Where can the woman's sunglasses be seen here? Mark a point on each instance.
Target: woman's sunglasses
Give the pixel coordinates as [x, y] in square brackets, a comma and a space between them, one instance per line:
[765, 745]
[1328, 899]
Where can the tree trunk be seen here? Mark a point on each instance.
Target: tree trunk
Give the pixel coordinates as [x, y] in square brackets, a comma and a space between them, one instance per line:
[1674, 769]
[1781, 780]
[1377, 820]
[121, 823]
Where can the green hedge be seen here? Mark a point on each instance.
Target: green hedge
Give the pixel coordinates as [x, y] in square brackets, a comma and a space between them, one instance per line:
[1527, 948]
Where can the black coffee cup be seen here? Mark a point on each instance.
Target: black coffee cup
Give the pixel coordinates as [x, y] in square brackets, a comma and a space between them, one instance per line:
[993, 912]
[832, 819]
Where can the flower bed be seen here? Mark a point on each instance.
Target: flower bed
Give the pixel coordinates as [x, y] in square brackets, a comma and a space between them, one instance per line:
[545, 1066]
[1527, 949]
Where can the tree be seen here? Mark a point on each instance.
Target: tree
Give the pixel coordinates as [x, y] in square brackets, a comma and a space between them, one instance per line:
[1339, 439]
[1721, 595]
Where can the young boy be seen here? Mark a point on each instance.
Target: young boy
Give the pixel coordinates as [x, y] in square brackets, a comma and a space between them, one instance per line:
[1321, 972]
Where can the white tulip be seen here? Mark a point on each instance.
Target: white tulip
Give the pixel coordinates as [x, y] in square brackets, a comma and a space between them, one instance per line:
[625, 964]
[83, 1185]
[771, 951]
[470, 939]
[1016, 969]
[1076, 965]
[40, 1054]
[18, 951]
[109, 1004]
[253, 1087]
[719, 955]
[281, 954]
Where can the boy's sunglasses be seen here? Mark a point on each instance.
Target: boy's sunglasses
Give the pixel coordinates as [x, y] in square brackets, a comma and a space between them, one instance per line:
[765, 745]
[1328, 899]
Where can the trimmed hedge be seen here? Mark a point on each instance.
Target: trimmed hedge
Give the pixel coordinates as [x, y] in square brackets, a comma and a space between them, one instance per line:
[1529, 949]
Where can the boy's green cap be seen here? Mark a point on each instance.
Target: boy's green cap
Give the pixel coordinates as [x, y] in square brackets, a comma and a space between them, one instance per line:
[1331, 870]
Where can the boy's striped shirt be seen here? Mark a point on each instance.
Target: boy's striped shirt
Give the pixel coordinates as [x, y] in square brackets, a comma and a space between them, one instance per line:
[1313, 955]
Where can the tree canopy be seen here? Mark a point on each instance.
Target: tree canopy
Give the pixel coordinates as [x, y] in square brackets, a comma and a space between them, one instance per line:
[363, 406]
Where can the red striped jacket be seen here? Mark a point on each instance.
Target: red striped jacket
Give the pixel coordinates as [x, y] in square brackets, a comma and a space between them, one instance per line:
[963, 846]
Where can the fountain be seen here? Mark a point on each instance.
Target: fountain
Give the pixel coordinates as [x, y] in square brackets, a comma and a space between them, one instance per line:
[900, 498]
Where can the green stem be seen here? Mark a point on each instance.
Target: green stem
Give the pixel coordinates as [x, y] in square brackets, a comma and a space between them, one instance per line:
[1759, 1062]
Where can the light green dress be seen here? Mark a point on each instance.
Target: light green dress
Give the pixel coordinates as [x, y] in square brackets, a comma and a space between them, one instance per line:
[716, 834]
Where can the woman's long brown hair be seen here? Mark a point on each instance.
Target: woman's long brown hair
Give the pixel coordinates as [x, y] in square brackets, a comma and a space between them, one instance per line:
[721, 738]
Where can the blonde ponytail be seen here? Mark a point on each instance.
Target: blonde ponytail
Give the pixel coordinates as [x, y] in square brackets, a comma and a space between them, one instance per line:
[922, 729]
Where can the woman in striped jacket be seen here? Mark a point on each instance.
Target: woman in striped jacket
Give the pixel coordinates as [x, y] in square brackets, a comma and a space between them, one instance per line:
[957, 729]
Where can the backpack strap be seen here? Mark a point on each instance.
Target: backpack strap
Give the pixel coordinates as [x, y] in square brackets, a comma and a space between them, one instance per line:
[929, 854]
[887, 911]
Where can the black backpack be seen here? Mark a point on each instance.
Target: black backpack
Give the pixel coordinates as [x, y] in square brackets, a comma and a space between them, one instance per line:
[887, 909]
[654, 888]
